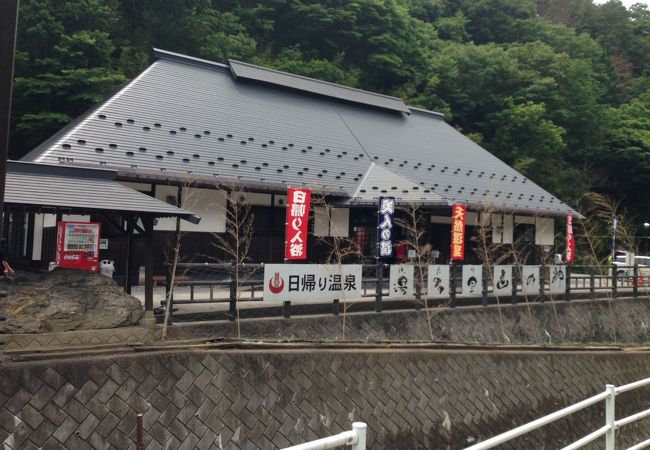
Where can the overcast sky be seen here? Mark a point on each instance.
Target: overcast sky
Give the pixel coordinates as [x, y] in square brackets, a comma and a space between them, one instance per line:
[627, 3]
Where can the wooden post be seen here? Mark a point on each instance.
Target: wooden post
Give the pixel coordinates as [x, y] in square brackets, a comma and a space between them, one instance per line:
[148, 320]
[128, 257]
[379, 286]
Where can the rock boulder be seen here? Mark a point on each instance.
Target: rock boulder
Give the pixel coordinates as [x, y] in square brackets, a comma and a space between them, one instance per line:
[64, 300]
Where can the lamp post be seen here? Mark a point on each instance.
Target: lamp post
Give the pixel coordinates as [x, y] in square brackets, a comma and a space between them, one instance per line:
[646, 225]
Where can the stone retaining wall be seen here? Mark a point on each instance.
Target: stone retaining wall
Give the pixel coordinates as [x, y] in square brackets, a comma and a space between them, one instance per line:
[620, 320]
[411, 399]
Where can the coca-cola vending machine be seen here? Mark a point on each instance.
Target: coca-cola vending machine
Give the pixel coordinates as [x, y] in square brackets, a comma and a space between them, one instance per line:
[77, 245]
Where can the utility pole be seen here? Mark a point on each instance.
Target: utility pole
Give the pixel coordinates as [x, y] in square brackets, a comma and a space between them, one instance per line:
[8, 28]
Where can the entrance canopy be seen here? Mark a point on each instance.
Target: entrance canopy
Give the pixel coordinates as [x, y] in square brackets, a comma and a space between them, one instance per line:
[45, 188]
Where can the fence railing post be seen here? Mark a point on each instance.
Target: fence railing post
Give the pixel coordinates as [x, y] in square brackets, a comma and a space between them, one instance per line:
[484, 292]
[635, 288]
[379, 287]
[452, 285]
[336, 306]
[514, 285]
[542, 278]
[614, 281]
[567, 289]
[169, 295]
[233, 294]
[139, 442]
[592, 284]
[610, 417]
[360, 428]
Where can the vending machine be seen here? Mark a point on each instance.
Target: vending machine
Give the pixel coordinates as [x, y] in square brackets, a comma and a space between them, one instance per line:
[77, 245]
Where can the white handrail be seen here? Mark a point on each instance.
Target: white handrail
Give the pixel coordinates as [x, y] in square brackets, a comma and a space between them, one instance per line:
[355, 437]
[535, 424]
[608, 430]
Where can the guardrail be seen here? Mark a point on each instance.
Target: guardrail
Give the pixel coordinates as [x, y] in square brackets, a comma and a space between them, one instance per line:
[355, 437]
[608, 430]
[216, 283]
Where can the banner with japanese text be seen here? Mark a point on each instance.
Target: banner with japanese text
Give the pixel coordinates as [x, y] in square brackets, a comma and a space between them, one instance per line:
[458, 213]
[385, 228]
[297, 282]
[570, 241]
[298, 201]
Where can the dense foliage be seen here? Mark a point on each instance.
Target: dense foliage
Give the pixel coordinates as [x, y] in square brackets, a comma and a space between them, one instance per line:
[559, 89]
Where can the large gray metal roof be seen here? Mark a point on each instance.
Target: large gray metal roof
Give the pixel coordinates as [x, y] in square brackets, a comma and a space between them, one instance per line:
[186, 117]
[48, 188]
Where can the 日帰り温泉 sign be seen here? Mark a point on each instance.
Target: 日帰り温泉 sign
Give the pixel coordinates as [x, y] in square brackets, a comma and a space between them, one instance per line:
[385, 228]
[298, 201]
[458, 213]
[570, 242]
[287, 282]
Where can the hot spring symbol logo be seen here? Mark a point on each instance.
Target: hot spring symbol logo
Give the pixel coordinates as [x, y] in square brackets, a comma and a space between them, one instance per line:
[276, 283]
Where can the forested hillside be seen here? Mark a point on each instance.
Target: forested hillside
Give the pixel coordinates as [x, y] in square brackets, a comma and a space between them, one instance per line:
[559, 89]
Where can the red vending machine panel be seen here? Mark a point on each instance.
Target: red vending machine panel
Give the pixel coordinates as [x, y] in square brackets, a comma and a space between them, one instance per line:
[77, 245]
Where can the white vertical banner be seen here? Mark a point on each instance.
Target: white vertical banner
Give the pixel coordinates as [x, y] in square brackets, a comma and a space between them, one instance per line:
[472, 280]
[400, 283]
[557, 279]
[530, 280]
[438, 281]
[296, 282]
[502, 280]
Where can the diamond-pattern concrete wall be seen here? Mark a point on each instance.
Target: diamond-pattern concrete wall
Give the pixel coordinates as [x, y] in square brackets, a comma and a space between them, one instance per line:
[263, 400]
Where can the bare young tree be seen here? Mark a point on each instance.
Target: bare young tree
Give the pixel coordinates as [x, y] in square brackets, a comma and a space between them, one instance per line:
[173, 256]
[235, 242]
[339, 248]
[412, 223]
[491, 254]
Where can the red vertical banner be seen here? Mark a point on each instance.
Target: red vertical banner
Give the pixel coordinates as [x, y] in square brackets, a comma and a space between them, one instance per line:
[298, 201]
[458, 213]
[570, 241]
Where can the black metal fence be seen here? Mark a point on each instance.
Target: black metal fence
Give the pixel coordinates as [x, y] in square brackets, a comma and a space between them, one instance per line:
[196, 283]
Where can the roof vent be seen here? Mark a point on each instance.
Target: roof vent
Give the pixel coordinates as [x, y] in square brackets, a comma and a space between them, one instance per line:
[99, 150]
[102, 116]
[66, 146]
[290, 145]
[265, 164]
[159, 156]
[112, 145]
[206, 132]
[221, 139]
[229, 136]
[264, 145]
[146, 128]
[186, 160]
[183, 129]
[210, 163]
[130, 121]
[234, 166]
[170, 153]
[81, 142]
[271, 142]
[242, 142]
[142, 149]
[251, 139]
[118, 124]
[198, 136]
[196, 156]
[157, 125]
[130, 154]
[172, 132]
